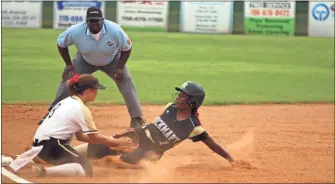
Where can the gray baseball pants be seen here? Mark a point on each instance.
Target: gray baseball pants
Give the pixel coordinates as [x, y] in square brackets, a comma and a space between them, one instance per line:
[126, 86]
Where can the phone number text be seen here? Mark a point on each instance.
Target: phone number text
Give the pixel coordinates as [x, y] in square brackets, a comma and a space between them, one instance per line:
[65, 18]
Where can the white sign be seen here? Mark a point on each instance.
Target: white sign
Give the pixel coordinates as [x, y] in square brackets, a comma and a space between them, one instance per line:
[142, 13]
[68, 13]
[321, 19]
[21, 14]
[206, 17]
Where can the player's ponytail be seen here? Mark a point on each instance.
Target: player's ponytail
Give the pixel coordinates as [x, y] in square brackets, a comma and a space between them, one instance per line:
[196, 114]
[73, 85]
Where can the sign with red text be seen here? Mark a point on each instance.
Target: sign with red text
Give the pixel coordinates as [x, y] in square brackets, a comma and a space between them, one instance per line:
[269, 18]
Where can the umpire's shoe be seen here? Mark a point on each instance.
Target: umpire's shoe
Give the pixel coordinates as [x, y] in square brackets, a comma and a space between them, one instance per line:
[136, 122]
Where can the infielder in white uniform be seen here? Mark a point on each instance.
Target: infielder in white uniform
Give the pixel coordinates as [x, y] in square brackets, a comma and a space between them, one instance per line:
[67, 118]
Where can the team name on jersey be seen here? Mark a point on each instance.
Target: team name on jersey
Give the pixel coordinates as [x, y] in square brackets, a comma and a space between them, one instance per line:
[166, 131]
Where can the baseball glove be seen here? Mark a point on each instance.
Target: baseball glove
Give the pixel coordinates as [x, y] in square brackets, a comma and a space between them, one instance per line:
[128, 135]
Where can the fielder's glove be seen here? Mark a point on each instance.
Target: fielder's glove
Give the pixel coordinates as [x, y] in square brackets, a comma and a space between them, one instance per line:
[128, 135]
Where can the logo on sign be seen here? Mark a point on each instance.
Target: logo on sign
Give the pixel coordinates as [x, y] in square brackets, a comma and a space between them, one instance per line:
[320, 12]
[62, 4]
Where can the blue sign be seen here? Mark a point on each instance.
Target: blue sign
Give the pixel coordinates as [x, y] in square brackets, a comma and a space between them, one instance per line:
[320, 12]
[62, 4]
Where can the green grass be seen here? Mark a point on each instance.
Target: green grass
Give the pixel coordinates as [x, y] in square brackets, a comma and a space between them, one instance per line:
[232, 68]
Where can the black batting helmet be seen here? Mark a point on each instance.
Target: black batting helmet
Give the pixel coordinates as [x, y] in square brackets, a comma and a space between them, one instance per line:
[195, 91]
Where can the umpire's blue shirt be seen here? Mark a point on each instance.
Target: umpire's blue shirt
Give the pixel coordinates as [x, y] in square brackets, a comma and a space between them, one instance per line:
[96, 52]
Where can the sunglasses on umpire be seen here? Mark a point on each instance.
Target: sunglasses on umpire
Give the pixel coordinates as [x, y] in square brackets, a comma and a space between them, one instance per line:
[94, 20]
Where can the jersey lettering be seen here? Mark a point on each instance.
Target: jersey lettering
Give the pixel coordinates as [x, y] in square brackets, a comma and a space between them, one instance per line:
[166, 131]
[53, 110]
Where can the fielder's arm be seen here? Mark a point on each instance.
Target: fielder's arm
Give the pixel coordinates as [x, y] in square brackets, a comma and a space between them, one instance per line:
[96, 138]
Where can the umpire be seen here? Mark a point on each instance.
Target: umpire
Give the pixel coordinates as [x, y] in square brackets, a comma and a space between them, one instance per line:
[102, 45]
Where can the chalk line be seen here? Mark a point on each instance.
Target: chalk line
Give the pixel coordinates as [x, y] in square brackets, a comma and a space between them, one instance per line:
[12, 176]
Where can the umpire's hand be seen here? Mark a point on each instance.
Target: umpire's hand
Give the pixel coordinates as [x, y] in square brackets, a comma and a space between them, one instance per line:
[68, 71]
[119, 74]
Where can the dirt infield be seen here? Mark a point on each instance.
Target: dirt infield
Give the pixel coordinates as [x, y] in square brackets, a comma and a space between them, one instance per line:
[287, 143]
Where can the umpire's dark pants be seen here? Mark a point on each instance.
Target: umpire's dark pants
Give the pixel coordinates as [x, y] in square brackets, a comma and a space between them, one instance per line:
[126, 86]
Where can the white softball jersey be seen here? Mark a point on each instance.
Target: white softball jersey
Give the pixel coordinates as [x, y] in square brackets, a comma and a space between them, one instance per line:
[67, 117]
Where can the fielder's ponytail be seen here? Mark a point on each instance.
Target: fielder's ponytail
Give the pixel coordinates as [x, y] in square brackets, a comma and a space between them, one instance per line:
[81, 82]
[72, 85]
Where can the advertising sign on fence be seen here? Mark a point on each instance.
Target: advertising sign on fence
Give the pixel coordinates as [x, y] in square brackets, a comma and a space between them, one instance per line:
[68, 13]
[142, 13]
[269, 18]
[206, 17]
[321, 19]
[21, 14]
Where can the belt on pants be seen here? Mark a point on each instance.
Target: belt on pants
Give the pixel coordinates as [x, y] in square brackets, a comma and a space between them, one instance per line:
[36, 142]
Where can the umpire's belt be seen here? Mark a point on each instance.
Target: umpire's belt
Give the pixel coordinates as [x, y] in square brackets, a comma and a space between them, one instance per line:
[40, 143]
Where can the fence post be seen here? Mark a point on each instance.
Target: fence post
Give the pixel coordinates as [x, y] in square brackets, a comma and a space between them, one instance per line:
[110, 10]
[47, 14]
[238, 17]
[301, 18]
[174, 16]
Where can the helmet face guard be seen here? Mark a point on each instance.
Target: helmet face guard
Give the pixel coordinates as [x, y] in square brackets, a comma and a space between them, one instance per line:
[195, 92]
[177, 97]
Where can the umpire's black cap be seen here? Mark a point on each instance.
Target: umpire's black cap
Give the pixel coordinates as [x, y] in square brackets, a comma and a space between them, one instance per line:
[94, 13]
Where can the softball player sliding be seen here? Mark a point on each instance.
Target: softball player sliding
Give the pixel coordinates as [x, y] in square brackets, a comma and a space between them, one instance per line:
[67, 118]
[178, 122]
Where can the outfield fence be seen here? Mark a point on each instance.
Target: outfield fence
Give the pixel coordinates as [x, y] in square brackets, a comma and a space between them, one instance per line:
[284, 18]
